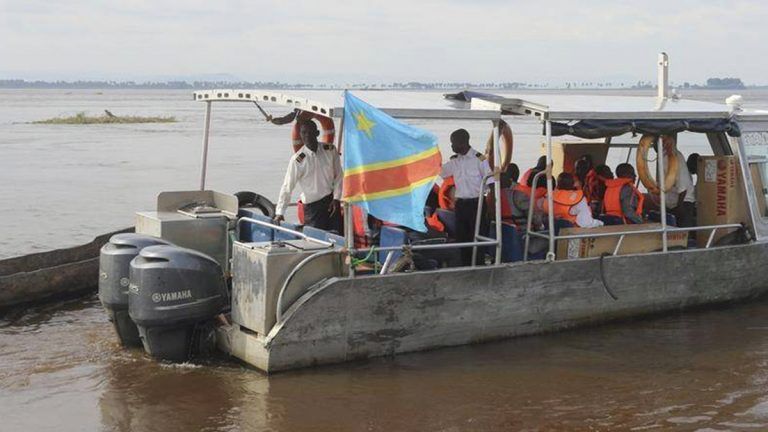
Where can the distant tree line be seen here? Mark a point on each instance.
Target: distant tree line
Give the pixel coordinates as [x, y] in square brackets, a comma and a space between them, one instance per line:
[197, 85]
[711, 83]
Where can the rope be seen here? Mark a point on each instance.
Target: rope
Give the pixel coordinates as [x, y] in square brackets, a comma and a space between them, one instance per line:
[358, 261]
[602, 277]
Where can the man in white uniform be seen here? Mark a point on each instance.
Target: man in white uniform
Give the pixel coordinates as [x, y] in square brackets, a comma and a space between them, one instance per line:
[680, 198]
[317, 171]
[468, 169]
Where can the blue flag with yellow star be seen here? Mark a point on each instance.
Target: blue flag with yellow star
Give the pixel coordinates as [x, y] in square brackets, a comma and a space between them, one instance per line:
[389, 166]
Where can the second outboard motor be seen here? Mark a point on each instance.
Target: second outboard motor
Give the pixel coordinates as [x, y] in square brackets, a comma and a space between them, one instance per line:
[114, 265]
[174, 297]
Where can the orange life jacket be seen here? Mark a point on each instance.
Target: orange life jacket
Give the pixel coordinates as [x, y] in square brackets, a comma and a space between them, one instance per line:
[612, 200]
[434, 222]
[524, 179]
[362, 233]
[563, 201]
[592, 186]
[444, 199]
[524, 188]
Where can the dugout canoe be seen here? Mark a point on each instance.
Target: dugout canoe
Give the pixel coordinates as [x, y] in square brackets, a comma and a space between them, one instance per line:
[53, 274]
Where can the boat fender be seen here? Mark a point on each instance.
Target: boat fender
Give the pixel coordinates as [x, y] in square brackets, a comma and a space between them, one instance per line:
[445, 195]
[646, 142]
[327, 130]
[507, 144]
[252, 199]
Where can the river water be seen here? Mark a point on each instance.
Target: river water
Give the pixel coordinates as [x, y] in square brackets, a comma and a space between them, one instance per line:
[62, 370]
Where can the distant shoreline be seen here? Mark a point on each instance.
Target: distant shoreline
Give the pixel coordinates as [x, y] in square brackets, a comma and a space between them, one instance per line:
[10, 84]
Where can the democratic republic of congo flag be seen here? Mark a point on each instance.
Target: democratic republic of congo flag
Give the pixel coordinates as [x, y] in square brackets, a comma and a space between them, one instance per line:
[389, 166]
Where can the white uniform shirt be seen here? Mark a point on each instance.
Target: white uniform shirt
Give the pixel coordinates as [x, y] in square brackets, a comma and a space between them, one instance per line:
[683, 183]
[468, 171]
[318, 174]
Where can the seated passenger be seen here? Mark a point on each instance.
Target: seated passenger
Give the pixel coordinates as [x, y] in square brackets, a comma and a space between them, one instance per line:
[508, 182]
[597, 193]
[622, 199]
[570, 204]
[520, 200]
[584, 172]
[541, 165]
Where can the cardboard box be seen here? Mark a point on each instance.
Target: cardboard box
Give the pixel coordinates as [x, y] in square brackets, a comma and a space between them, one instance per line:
[720, 195]
[566, 153]
[760, 191]
[632, 244]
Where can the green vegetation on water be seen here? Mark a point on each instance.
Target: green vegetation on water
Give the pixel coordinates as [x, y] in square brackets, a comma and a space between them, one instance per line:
[107, 118]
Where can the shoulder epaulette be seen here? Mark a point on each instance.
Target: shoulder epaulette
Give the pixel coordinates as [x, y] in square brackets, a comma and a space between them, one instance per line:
[329, 146]
[300, 157]
[454, 156]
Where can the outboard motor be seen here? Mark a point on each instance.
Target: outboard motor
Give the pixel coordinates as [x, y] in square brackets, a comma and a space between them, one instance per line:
[174, 296]
[114, 266]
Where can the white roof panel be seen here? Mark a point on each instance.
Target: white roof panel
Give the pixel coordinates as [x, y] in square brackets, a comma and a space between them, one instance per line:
[432, 105]
[603, 107]
[399, 104]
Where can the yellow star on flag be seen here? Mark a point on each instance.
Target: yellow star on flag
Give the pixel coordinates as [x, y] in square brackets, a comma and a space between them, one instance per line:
[364, 124]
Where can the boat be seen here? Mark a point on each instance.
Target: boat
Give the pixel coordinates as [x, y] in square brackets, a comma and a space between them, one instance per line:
[50, 275]
[298, 298]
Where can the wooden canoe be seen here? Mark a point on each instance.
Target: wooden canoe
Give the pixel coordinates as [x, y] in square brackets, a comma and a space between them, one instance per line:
[51, 275]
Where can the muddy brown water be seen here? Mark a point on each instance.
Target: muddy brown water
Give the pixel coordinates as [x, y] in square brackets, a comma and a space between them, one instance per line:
[62, 370]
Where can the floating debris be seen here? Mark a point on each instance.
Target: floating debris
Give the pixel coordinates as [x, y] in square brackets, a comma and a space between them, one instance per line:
[108, 117]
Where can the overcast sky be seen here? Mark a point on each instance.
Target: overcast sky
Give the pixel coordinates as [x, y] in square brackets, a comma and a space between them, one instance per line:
[384, 41]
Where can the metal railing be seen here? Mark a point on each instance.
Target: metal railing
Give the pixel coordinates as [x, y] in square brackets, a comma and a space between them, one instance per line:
[292, 274]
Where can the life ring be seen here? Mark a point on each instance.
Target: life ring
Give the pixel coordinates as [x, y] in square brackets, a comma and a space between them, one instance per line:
[247, 199]
[445, 198]
[506, 149]
[646, 142]
[327, 129]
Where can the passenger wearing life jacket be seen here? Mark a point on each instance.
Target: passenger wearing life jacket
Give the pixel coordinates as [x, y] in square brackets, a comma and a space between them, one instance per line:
[603, 173]
[508, 183]
[521, 199]
[570, 204]
[622, 199]
[541, 165]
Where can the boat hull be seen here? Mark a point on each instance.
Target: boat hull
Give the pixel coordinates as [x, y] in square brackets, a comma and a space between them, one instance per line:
[54, 274]
[348, 319]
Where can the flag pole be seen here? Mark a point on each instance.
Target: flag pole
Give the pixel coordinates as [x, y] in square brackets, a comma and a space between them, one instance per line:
[349, 238]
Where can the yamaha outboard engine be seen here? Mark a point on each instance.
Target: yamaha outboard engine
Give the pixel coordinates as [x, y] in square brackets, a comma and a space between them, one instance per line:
[174, 297]
[114, 266]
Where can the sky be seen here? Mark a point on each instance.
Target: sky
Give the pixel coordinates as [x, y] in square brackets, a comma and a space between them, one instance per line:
[372, 41]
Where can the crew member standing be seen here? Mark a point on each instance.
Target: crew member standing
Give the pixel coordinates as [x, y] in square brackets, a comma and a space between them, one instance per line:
[317, 170]
[468, 169]
[681, 198]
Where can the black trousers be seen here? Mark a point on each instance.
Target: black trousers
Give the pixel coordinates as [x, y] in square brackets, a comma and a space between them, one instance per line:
[316, 214]
[685, 214]
[466, 214]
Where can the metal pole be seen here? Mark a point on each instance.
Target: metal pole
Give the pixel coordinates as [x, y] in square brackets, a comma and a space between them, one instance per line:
[478, 213]
[663, 77]
[662, 193]
[349, 236]
[529, 222]
[550, 204]
[497, 189]
[206, 133]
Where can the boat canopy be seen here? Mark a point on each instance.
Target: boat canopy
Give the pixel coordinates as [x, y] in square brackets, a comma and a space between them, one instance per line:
[398, 104]
[584, 116]
[601, 116]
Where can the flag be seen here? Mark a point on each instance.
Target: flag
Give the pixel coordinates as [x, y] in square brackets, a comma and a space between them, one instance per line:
[389, 166]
